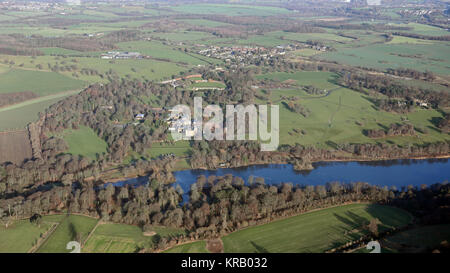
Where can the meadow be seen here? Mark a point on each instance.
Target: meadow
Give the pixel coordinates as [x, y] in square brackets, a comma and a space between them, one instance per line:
[230, 9]
[17, 116]
[158, 50]
[195, 247]
[421, 57]
[315, 231]
[121, 238]
[18, 80]
[178, 148]
[341, 115]
[418, 239]
[84, 141]
[71, 228]
[21, 236]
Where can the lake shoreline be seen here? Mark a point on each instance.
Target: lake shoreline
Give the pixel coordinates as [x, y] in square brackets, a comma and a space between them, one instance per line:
[358, 160]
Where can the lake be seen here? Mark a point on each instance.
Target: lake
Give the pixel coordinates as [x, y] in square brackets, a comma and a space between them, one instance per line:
[396, 173]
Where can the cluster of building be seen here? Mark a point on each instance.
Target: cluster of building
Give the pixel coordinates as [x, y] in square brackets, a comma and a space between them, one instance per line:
[241, 53]
[121, 55]
[181, 125]
[30, 6]
[416, 12]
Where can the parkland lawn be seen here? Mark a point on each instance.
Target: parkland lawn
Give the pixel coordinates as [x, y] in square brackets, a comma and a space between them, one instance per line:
[85, 142]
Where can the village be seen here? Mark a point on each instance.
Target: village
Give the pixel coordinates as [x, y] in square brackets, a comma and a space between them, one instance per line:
[246, 53]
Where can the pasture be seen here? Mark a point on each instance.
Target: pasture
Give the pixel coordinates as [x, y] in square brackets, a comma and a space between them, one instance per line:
[71, 228]
[18, 80]
[414, 240]
[315, 231]
[230, 9]
[21, 236]
[178, 148]
[421, 57]
[84, 141]
[195, 247]
[121, 238]
[160, 51]
[17, 116]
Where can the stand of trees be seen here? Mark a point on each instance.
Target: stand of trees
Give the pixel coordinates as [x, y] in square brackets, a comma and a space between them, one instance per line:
[393, 89]
[219, 205]
[394, 130]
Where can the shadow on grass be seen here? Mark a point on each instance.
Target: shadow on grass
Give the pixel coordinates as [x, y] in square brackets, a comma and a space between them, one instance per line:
[259, 249]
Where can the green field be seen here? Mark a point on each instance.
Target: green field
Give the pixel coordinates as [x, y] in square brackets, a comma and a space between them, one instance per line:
[21, 236]
[158, 50]
[423, 29]
[85, 142]
[195, 247]
[414, 240]
[17, 116]
[337, 117]
[179, 148]
[121, 238]
[131, 68]
[421, 57]
[231, 10]
[315, 231]
[311, 232]
[17, 80]
[71, 228]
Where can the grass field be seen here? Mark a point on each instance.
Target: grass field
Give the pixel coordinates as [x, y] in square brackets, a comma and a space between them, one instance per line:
[229, 9]
[195, 247]
[17, 116]
[414, 240]
[121, 238]
[17, 80]
[179, 148]
[407, 40]
[421, 57]
[85, 142]
[337, 117]
[71, 228]
[315, 231]
[158, 50]
[423, 29]
[21, 236]
[130, 68]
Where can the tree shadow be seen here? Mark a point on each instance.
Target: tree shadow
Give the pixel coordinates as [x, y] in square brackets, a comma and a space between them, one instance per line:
[259, 249]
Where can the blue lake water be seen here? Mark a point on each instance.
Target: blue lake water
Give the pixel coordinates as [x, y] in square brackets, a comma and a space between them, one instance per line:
[396, 173]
